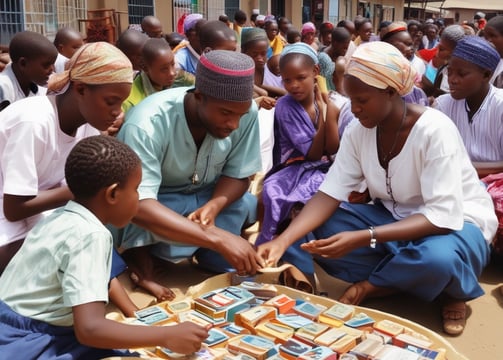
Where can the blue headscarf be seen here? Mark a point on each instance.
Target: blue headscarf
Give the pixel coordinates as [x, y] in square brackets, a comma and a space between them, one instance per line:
[478, 51]
[300, 48]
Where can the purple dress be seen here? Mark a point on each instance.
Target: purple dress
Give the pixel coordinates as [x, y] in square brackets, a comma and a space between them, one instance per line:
[292, 180]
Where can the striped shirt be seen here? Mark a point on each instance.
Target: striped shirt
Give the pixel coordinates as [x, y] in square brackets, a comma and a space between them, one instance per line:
[483, 136]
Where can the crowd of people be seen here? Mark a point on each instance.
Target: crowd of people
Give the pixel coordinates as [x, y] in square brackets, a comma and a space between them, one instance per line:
[378, 156]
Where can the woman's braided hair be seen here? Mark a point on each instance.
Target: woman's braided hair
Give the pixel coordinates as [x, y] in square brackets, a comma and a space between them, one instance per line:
[97, 162]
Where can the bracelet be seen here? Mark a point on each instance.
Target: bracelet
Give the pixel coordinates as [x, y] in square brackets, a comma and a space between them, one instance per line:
[373, 240]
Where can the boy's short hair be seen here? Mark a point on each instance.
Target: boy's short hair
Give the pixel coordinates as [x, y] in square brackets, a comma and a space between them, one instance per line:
[97, 162]
[152, 48]
[31, 45]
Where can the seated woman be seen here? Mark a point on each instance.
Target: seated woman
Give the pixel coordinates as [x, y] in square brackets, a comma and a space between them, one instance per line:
[429, 214]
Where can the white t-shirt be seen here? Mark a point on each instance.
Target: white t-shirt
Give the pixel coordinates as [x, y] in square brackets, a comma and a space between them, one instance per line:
[483, 136]
[65, 261]
[59, 65]
[497, 71]
[432, 175]
[33, 151]
[10, 90]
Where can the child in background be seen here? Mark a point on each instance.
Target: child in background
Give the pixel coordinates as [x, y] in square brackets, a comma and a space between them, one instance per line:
[293, 36]
[159, 71]
[67, 41]
[33, 57]
[275, 43]
[272, 77]
[340, 40]
[64, 315]
[306, 136]
[434, 81]
[131, 43]
[254, 43]
[37, 133]
[493, 32]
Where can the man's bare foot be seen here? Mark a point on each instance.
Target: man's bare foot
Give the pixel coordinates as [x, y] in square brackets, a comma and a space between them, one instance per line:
[359, 291]
[160, 292]
[454, 316]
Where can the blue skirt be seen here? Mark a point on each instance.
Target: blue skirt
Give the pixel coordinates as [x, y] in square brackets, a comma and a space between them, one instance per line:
[25, 338]
[439, 264]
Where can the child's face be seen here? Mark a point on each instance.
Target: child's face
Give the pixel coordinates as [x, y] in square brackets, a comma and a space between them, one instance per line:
[258, 52]
[365, 31]
[162, 70]
[273, 64]
[70, 47]
[271, 30]
[341, 48]
[466, 79]
[403, 42]
[100, 105]
[308, 37]
[299, 78]
[39, 69]
[495, 37]
[127, 199]
[445, 49]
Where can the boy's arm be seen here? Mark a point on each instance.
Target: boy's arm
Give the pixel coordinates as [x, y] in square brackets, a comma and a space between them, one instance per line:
[18, 207]
[93, 329]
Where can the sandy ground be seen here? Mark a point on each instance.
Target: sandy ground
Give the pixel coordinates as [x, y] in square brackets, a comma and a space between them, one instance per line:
[480, 340]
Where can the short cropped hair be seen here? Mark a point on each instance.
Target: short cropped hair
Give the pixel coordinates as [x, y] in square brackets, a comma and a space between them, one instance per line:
[97, 162]
[30, 45]
[153, 48]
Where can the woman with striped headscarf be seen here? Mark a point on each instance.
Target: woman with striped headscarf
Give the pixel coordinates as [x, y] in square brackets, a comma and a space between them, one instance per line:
[37, 133]
[429, 214]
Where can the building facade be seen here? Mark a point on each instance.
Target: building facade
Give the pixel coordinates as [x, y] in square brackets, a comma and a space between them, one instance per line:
[46, 16]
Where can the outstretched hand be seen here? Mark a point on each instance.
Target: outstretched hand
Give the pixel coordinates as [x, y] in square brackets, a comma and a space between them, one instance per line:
[335, 246]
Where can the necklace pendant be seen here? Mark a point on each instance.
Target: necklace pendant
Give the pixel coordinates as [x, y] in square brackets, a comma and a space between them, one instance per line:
[195, 178]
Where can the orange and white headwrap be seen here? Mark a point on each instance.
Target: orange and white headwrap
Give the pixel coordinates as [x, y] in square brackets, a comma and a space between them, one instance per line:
[94, 64]
[380, 65]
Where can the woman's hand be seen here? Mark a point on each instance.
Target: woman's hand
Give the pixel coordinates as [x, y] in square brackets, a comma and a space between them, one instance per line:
[338, 245]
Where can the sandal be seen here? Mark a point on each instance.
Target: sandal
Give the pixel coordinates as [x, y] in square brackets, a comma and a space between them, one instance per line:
[454, 317]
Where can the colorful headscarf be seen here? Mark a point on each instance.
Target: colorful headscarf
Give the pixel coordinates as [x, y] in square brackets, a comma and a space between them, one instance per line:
[300, 48]
[478, 51]
[94, 64]
[392, 29]
[308, 27]
[190, 22]
[380, 65]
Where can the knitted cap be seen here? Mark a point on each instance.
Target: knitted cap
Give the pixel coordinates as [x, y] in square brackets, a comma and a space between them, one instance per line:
[478, 51]
[226, 75]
